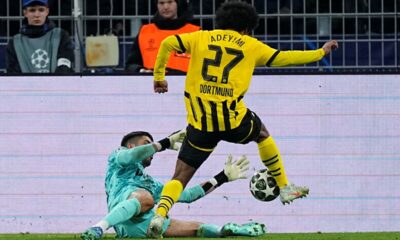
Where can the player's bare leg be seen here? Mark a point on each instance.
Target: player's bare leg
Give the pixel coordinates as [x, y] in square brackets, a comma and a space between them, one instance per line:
[169, 196]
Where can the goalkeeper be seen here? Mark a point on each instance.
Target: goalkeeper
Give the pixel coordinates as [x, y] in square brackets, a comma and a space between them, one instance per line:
[132, 193]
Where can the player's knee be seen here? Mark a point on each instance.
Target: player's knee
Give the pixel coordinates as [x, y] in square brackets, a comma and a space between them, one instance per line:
[145, 198]
[263, 133]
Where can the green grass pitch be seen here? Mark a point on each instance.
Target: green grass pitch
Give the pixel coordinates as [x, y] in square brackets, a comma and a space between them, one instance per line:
[271, 236]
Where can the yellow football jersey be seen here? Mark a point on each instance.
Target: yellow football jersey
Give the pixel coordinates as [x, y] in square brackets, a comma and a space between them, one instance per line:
[220, 70]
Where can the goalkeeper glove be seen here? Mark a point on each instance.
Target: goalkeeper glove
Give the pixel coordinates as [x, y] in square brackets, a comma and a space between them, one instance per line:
[173, 141]
[176, 139]
[233, 170]
[237, 169]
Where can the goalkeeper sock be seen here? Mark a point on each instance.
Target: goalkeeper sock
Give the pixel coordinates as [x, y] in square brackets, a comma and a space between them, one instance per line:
[209, 231]
[103, 225]
[169, 195]
[271, 158]
[123, 211]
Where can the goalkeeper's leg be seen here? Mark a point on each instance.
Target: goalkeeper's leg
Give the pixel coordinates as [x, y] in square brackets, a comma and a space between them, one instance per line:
[138, 202]
[178, 228]
[252, 229]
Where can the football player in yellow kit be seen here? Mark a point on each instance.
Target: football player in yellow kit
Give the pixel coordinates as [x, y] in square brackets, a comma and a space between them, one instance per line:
[219, 75]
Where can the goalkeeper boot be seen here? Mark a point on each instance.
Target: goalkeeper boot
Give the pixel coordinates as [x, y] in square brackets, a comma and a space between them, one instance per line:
[291, 192]
[252, 229]
[92, 233]
[156, 226]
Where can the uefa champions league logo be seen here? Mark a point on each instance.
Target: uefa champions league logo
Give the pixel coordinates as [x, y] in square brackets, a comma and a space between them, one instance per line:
[40, 60]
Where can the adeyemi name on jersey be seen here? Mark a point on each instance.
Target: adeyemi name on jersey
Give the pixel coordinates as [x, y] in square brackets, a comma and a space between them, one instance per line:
[227, 38]
[215, 90]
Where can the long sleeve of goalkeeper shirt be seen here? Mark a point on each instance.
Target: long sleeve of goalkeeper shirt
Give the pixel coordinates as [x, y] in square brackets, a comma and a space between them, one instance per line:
[126, 157]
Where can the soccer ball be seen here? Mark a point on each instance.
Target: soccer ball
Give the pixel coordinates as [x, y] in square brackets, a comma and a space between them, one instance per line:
[263, 186]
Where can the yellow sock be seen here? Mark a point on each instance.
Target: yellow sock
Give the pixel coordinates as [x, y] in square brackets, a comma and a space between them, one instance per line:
[169, 195]
[271, 158]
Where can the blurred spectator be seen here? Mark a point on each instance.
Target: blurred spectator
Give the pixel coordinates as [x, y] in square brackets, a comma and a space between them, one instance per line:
[172, 17]
[118, 29]
[40, 47]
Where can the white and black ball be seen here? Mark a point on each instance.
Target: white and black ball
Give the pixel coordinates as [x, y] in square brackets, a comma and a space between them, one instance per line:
[263, 186]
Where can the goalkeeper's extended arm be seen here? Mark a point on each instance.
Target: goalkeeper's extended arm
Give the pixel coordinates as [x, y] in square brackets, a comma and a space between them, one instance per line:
[126, 157]
[233, 170]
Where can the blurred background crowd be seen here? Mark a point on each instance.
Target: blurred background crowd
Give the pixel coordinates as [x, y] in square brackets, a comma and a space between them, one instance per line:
[368, 30]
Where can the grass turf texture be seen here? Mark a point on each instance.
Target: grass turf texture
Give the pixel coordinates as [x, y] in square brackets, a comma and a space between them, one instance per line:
[271, 236]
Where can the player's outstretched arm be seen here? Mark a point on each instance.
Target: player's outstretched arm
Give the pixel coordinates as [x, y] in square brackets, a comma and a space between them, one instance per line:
[295, 57]
[233, 170]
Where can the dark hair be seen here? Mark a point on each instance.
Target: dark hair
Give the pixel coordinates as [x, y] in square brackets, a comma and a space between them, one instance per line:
[238, 16]
[185, 12]
[128, 136]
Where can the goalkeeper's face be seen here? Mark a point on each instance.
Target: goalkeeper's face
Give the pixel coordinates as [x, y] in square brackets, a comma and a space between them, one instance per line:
[143, 140]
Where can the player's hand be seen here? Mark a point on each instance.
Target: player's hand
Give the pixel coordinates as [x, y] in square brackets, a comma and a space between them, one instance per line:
[236, 169]
[329, 46]
[161, 86]
[176, 139]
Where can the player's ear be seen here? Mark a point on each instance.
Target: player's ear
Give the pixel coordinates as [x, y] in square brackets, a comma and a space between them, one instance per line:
[131, 145]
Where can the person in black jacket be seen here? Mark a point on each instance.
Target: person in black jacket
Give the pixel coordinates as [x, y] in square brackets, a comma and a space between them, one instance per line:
[40, 47]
